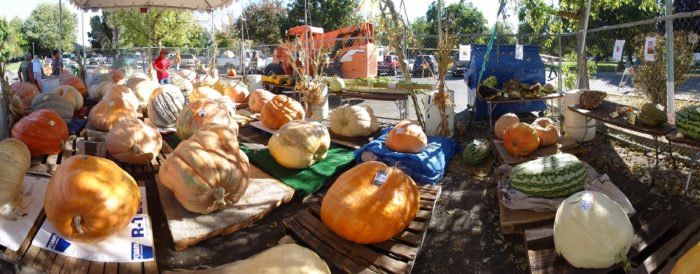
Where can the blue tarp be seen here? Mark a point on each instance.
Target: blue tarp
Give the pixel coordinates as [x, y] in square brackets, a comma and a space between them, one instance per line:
[504, 66]
[425, 167]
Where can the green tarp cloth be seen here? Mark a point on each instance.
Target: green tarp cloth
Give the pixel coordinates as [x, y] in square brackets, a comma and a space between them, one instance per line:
[304, 181]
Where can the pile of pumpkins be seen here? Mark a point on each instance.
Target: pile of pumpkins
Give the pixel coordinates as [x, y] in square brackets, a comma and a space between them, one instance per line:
[522, 139]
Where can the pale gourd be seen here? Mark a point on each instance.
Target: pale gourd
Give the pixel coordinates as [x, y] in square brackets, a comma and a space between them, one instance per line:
[54, 102]
[592, 231]
[299, 144]
[353, 121]
[95, 92]
[203, 93]
[281, 259]
[14, 162]
[119, 92]
[71, 95]
[165, 104]
[336, 84]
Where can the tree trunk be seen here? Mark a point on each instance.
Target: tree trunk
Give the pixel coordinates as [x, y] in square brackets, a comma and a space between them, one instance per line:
[582, 59]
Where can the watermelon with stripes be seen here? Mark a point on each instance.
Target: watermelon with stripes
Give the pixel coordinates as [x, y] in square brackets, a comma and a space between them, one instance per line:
[688, 122]
[553, 176]
[476, 152]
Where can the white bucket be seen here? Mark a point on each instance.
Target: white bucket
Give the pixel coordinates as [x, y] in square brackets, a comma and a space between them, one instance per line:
[431, 113]
[254, 82]
[580, 134]
[48, 84]
[320, 112]
[574, 119]
[572, 97]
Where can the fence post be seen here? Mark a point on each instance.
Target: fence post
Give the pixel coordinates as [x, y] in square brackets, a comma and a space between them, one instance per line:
[670, 77]
[560, 82]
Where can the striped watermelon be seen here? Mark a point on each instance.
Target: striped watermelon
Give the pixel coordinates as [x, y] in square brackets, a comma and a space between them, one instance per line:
[688, 122]
[476, 152]
[552, 176]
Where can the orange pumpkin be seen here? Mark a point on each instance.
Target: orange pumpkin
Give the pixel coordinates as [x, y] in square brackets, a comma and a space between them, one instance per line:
[202, 112]
[26, 92]
[521, 139]
[689, 263]
[258, 99]
[105, 114]
[119, 92]
[203, 93]
[76, 83]
[370, 203]
[117, 75]
[280, 110]
[546, 131]
[134, 142]
[71, 95]
[407, 136]
[90, 198]
[208, 171]
[237, 92]
[503, 123]
[43, 131]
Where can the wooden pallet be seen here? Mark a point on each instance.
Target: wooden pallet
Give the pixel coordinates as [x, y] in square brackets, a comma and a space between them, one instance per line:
[397, 255]
[518, 220]
[656, 249]
[563, 145]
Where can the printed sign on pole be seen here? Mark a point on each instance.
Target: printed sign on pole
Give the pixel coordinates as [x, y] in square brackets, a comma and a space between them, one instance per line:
[518, 52]
[617, 54]
[465, 52]
[650, 49]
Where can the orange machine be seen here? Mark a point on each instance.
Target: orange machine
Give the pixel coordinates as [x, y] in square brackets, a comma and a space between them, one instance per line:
[350, 49]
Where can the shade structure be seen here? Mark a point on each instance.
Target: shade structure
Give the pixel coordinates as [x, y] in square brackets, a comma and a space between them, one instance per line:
[201, 5]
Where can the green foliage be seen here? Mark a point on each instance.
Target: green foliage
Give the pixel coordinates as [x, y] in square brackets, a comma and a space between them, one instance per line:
[41, 28]
[570, 70]
[11, 39]
[420, 26]
[199, 37]
[264, 21]
[100, 36]
[328, 14]
[456, 18]
[168, 28]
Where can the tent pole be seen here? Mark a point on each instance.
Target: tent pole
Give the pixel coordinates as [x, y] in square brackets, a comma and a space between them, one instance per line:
[60, 33]
[82, 28]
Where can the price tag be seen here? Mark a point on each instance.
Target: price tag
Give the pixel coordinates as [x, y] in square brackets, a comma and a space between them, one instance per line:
[400, 130]
[111, 103]
[586, 202]
[201, 113]
[380, 177]
[52, 123]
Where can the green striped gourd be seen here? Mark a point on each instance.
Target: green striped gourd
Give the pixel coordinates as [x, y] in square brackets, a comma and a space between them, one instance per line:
[552, 176]
[688, 122]
[476, 152]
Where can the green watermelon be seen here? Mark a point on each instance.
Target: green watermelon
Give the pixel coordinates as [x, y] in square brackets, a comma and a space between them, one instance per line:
[688, 122]
[558, 175]
[476, 152]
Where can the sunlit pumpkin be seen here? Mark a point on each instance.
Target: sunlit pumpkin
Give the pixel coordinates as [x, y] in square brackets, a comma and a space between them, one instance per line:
[237, 92]
[54, 102]
[14, 162]
[26, 92]
[165, 104]
[299, 144]
[407, 136]
[117, 75]
[43, 131]
[105, 114]
[201, 112]
[258, 99]
[503, 123]
[97, 91]
[521, 139]
[207, 172]
[203, 93]
[143, 88]
[75, 82]
[71, 95]
[689, 263]
[547, 131]
[353, 121]
[370, 203]
[134, 142]
[119, 92]
[280, 111]
[90, 198]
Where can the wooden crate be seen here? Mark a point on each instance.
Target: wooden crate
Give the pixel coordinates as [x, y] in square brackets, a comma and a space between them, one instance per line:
[518, 220]
[656, 249]
[397, 255]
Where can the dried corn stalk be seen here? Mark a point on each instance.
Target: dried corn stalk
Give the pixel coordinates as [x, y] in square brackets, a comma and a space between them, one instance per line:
[308, 63]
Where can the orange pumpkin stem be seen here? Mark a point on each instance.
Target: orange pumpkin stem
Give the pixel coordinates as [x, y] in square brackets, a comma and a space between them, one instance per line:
[136, 149]
[220, 194]
[77, 222]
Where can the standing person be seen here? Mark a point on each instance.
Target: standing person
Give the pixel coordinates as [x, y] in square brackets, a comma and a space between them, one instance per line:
[36, 68]
[161, 65]
[56, 64]
[24, 73]
[177, 60]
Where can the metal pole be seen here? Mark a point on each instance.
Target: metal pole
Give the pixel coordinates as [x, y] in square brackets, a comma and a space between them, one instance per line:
[148, 65]
[583, 41]
[213, 41]
[670, 77]
[60, 33]
[82, 28]
[560, 76]
[240, 58]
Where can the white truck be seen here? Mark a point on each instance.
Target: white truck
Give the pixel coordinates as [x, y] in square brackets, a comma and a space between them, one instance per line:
[254, 62]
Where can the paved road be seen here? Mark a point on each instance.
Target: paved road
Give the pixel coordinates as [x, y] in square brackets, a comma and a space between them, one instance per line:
[609, 82]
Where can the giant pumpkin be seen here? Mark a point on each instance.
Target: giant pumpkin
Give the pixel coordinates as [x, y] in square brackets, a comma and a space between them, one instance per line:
[14, 162]
[54, 102]
[258, 99]
[119, 92]
[165, 104]
[280, 259]
[43, 131]
[407, 136]
[105, 114]
[370, 203]
[280, 111]
[97, 91]
[133, 141]
[546, 131]
[299, 144]
[202, 112]
[203, 93]
[26, 92]
[76, 83]
[71, 95]
[90, 198]
[143, 88]
[237, 91]
[117, 75]
[353, 121]
[503, 123]
[521, 139]
[689, 263]
[207, 172]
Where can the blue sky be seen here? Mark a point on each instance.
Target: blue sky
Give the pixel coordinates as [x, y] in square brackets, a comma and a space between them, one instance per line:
[417, 8]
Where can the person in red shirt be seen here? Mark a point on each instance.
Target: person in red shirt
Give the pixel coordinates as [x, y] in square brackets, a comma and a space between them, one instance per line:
[161, 65]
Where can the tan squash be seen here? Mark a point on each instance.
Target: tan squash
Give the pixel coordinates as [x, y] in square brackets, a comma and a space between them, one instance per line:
[407, 136]
[503, 123]
[353, 121]
[204, 93]
[299, 144]
[72, 95]
[119, 92]
[105, 114]
[547, 131]
[258, 99]
[132, 141]
[200, 113]
[14, 162]
[97, 91]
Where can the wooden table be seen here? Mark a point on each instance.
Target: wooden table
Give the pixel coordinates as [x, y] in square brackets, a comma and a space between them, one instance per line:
[602, 113]
[493, 103]
[399, 98]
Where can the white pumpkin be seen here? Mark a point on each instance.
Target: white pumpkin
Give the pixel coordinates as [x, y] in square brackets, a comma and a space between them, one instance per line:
[14, 162]
[353, 121]
[281, 259]
[299, 144]
[143, 88]
[592, 231]
[336, 84]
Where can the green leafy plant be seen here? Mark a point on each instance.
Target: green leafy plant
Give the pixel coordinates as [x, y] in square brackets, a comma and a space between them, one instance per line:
[570, 70]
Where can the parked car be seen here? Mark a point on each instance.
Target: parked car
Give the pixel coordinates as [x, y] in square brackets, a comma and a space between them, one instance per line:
[188, 61]
[389, 65]
[97, 59]
[424, 66]
[128, 60]
[458, 67]
[254, 61]
[409, 62]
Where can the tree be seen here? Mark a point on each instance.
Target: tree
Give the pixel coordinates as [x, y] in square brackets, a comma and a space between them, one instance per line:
[199, 37]
[263, 21]
[420, 26]
[100, 36]
[168, 28]
[16, 44]
[328, 14]
[458, 18]
[41, 28]
[569, 15]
